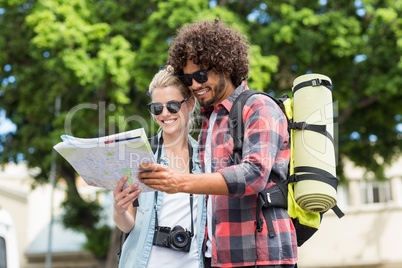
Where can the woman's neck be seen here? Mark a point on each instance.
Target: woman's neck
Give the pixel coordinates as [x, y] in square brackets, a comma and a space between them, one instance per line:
[177, 152]
[175, 142]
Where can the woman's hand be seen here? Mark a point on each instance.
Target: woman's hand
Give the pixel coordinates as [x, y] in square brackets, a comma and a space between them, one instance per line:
[124, 198]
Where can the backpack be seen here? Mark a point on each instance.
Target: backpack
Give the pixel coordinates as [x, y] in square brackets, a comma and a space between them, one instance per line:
[306, 220]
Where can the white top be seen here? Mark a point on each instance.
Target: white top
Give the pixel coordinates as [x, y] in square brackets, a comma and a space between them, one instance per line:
[169, 257]
[207, 163]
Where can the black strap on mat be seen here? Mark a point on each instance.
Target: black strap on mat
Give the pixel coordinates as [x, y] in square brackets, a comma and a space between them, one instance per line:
[313, 83]
[322, 129]
[312, 173]
[338, 212]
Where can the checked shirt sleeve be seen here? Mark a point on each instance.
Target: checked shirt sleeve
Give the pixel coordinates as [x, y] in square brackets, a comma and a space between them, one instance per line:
[265, 148]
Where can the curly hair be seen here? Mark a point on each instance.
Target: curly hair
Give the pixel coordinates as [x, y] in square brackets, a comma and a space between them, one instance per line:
[211, 45]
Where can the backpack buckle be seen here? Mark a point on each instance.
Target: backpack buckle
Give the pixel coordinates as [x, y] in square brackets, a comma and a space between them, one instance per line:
[298, 125]
[259, 224]
[316, 82]
[232, 123]
[293, 178]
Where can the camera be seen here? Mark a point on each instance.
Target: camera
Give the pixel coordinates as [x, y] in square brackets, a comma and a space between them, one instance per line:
[176, 238]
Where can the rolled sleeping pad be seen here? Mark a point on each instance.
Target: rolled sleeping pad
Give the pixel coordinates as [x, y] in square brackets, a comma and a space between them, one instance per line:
[314, 152]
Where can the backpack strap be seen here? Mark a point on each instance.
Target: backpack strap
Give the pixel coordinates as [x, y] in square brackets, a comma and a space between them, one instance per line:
[236, 124]
[153, 141]
[236, 130]
[275, 196]
[338, 212]
[123, 237]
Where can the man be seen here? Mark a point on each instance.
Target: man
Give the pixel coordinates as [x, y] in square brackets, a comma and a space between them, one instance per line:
[211, 59]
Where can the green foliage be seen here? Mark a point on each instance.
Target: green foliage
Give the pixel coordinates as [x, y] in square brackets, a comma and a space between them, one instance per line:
[80, 215]
[98, 240]
[360, 53]
[261, 68]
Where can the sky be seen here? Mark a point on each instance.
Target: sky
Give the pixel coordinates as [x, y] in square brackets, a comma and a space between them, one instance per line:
[6, 125]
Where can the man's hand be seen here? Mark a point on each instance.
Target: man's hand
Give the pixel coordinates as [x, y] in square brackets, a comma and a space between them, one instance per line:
[124, 198]
[166, 180]
[160, 178]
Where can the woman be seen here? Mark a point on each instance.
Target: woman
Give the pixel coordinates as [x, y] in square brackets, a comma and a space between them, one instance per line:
[172, 234]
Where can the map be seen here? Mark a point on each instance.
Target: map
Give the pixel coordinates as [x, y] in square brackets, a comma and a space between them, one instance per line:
[103, 162]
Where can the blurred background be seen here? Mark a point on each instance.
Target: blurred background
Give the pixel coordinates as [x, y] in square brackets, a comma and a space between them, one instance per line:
[57, 55]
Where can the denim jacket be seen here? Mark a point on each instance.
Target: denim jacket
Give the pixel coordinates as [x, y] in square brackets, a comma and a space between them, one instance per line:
[137, 247]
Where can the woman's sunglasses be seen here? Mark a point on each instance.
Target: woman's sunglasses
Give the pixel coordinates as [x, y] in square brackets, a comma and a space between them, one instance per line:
[172, 106]
[199, 76]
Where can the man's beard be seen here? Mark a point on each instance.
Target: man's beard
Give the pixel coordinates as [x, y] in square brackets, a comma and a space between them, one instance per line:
[217, 93]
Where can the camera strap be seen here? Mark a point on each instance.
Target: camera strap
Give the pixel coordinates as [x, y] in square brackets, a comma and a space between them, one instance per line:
[190, 160]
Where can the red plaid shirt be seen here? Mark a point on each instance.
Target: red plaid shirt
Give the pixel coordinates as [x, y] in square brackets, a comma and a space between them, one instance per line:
[265, 148]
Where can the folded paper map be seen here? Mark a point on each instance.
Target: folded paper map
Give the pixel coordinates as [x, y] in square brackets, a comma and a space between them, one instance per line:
[103, 162]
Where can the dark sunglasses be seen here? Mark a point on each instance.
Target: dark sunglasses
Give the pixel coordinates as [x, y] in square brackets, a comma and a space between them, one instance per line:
[156, 108]
[199, 76]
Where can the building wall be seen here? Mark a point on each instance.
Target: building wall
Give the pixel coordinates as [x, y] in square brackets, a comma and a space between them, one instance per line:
[363, 238]
[368, 236]
[29, 209]
[15, 201]
[370, 233]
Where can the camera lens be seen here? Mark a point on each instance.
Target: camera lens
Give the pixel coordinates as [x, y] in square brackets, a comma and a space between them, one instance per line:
[180, 238]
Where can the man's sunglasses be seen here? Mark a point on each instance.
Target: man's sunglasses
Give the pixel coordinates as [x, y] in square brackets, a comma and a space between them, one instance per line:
[199, 76]
[172, 106]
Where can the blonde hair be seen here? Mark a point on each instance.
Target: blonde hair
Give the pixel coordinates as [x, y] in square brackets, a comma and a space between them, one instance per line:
[166, 78]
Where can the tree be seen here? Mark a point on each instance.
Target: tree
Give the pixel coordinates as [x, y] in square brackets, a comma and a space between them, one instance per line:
[81, 67]
[97, 58]
[358, 45]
